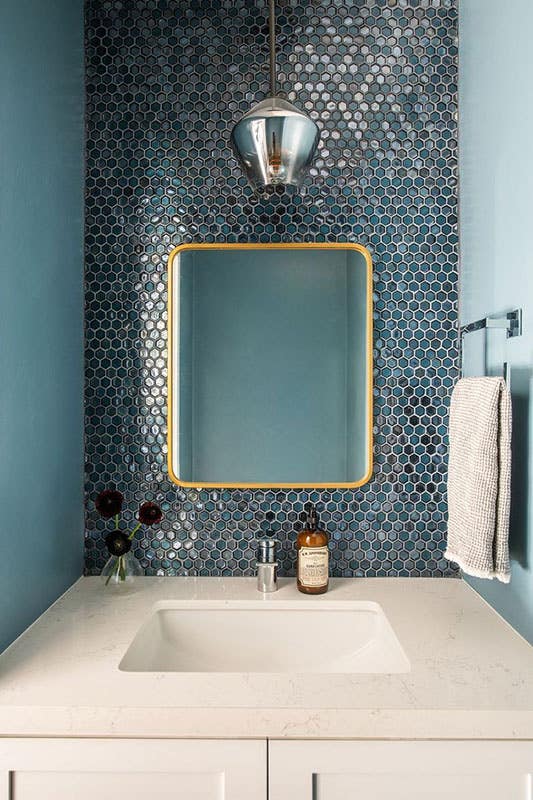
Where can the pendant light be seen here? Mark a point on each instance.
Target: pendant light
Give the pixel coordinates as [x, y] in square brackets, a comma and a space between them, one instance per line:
[274, 142]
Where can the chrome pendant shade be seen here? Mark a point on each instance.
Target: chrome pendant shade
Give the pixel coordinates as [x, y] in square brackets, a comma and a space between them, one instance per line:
[275, 142]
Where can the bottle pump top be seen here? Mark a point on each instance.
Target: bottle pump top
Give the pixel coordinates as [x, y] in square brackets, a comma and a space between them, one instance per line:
[312, 518]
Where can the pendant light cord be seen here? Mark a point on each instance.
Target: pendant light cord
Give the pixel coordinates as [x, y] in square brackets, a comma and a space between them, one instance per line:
[272, 44]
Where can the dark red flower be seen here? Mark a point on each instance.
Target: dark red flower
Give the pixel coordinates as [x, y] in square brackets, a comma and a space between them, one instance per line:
[118, 543]
[150, 513]
[109, 503]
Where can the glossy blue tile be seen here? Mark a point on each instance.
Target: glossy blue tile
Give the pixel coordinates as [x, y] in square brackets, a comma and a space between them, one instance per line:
[165, 82]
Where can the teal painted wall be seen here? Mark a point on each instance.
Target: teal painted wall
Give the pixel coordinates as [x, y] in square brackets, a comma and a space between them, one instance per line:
[41, 317]
[496, 202]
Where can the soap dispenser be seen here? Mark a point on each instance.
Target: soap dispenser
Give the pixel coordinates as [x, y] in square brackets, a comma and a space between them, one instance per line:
[313, 556]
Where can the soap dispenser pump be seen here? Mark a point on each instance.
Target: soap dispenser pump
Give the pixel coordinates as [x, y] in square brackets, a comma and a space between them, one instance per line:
[313, 556]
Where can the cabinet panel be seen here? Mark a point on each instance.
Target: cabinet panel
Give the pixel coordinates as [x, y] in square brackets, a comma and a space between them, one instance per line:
[85, 769]
[418, 787]
[403, 770]
[138, 786]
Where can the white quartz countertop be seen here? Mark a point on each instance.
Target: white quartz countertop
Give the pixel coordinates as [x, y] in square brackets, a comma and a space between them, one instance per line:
[471, 673]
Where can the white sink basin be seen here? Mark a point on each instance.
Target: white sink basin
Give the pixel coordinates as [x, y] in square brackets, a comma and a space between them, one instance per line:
[321, 637]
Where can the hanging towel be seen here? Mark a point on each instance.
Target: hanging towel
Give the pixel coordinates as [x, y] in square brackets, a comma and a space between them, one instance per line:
[479, 478]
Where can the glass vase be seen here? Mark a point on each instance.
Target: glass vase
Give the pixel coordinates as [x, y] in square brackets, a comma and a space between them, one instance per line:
[120, 571]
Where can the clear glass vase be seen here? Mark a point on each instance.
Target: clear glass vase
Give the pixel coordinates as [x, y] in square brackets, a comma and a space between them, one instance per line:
[121, 571]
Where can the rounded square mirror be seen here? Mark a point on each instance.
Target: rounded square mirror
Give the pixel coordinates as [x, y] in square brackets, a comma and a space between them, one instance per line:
[270, 365]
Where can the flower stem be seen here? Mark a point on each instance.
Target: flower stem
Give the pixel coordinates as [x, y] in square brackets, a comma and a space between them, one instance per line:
[114, 571]
[134, 531]
[116, 522]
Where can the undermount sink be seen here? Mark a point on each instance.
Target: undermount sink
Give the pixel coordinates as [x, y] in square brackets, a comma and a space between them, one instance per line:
[274, 637]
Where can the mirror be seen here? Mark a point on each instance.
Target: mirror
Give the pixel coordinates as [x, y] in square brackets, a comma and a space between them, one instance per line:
[270, 365]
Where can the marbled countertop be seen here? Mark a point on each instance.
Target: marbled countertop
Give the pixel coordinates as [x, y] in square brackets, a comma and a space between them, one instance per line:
[471, 673]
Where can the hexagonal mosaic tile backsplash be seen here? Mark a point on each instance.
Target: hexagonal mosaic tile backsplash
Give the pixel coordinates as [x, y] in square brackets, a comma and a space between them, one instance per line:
[165, 82]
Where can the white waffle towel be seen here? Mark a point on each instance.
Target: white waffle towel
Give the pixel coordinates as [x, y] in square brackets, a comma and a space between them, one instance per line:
[479, 478]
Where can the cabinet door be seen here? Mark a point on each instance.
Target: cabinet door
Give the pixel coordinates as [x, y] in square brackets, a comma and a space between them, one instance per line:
[329, 770]
[107, 769]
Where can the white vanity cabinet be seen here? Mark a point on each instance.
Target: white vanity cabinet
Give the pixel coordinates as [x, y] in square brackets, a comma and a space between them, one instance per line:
[167, 769]
[133, 769]
[469, 770]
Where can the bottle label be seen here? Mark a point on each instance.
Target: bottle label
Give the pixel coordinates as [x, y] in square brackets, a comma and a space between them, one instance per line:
[313, 566]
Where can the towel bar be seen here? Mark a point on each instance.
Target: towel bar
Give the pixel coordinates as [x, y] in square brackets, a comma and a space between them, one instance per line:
[511, 323]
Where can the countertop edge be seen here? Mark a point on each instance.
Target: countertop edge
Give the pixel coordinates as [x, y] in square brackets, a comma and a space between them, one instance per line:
[276, 723]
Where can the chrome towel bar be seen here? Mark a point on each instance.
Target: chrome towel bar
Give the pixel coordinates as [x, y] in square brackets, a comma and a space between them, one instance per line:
[511, 323]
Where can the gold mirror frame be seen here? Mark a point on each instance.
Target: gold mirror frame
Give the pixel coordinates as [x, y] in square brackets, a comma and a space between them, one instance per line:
[173, 257]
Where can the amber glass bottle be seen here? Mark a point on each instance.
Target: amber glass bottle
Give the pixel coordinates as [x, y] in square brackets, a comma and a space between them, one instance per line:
[313, 556]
